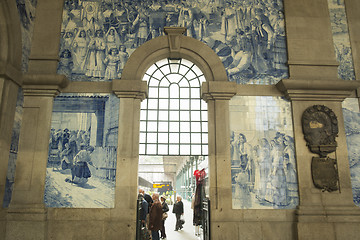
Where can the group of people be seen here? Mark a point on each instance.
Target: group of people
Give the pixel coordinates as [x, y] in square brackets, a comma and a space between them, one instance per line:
[72, 150]
[266, 170]
[96, 36]
[154, 212]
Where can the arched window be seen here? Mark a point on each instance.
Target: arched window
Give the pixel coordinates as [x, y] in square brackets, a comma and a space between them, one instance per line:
[173, 120]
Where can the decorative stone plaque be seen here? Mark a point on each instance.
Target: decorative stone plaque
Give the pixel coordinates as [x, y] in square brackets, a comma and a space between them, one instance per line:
[320, 128]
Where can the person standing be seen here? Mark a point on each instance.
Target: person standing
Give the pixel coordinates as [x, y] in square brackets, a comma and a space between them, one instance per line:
[155, 217]
[165, 209]
[178, 210]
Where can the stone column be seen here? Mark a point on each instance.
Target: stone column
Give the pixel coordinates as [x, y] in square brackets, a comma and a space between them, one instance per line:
[310, 49]
[131, 93]
[26, 217]
[322, 214]
[353, 19]
[217, 95]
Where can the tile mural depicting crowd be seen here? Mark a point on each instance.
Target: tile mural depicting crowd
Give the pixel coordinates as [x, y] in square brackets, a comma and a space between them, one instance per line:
[248, 35]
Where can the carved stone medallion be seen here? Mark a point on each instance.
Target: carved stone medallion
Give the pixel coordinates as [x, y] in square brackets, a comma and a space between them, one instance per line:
[320, 128]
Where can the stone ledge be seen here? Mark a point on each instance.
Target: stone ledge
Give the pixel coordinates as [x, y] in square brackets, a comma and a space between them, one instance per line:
[218, 90]
[130, 89]
[315, 90]
[44, 84]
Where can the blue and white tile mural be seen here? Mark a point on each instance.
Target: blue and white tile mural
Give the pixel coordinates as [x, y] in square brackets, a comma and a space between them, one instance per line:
[351, 115]
[82, 151]
[263, 164]
[26, 9]
[248, 35]
[341, 39]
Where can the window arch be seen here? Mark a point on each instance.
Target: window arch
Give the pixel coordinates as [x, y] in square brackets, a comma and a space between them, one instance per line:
[173, 120]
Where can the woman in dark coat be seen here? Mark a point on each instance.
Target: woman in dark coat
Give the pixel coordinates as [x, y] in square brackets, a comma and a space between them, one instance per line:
[165, 209]
[155, 217]
[178, 210]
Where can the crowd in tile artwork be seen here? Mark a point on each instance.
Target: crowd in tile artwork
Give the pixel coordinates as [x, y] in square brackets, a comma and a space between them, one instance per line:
[98, 37]
[265, 174]
[66, 144]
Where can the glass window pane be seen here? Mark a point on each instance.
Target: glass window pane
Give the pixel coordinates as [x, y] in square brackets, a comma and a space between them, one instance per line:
[203, 105]
[143, 114]
[196, 149]
[142, 137]
[152, 103]
[205, 150]
[183, 69]
[153, 82]
[174, 115]
[174, 127]
[174, 78]
[151, 69]
[184, 126]
[163, 127]
[142, 149]
[196, 138]
[195, 92]
[174, 104]
[143, 104]
[151, 149]
[204, 127]
[152, 127]
[185, 149]
[202, 79]
[204, 115]
[184, 83]
[157, 74]
[184, 92]
[173, 137]
[153, 92]
[195, 115]
[184, 104]
[164, 83]
[143, 126]
[195, 83]
[174, 149]
[163, 115]
[162, 149]
[152, 115]
[165, 69]
[174, 68]
[197, 70]
[146, 77]
[162, 62]
[163, 138]
[174, 91]
[163, 104]
[184, 137]
[186, 63]
[152, 138]
[195, 104]
[195, 127]
[190, 75]
[163, 93]
[205, 138]
[184, 116]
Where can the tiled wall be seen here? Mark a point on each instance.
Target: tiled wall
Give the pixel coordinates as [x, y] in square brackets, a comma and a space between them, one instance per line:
[263, 164]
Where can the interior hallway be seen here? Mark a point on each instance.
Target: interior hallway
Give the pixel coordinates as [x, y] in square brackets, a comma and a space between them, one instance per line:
[187, 233]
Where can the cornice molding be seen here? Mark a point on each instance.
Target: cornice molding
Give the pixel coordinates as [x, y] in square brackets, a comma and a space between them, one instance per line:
[130, 89]
[44, 84]
[218, 90]
[317, 90]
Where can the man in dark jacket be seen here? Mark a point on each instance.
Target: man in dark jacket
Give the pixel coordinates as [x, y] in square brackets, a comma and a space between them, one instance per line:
[178, 210]
[155, 217]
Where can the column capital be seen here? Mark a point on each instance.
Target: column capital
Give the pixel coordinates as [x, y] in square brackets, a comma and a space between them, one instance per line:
[218, 90]
[317, 90]
[130, 89]
[43, 84]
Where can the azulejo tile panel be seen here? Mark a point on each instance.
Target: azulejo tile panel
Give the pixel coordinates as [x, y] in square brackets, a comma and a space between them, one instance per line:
[263, 164]
[351, 115]
[81, 165]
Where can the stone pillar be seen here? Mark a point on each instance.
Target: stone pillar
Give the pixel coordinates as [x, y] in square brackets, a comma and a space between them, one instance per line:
[310, 49]
[217, 95]
[353, 19]
[131, 93]
[26, 217]
[322, 214]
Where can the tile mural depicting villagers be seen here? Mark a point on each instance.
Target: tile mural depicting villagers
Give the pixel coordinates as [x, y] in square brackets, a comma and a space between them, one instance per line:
[341, 39]
[248, 35]
[351, 115]
[263, 164]
[82, 151]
